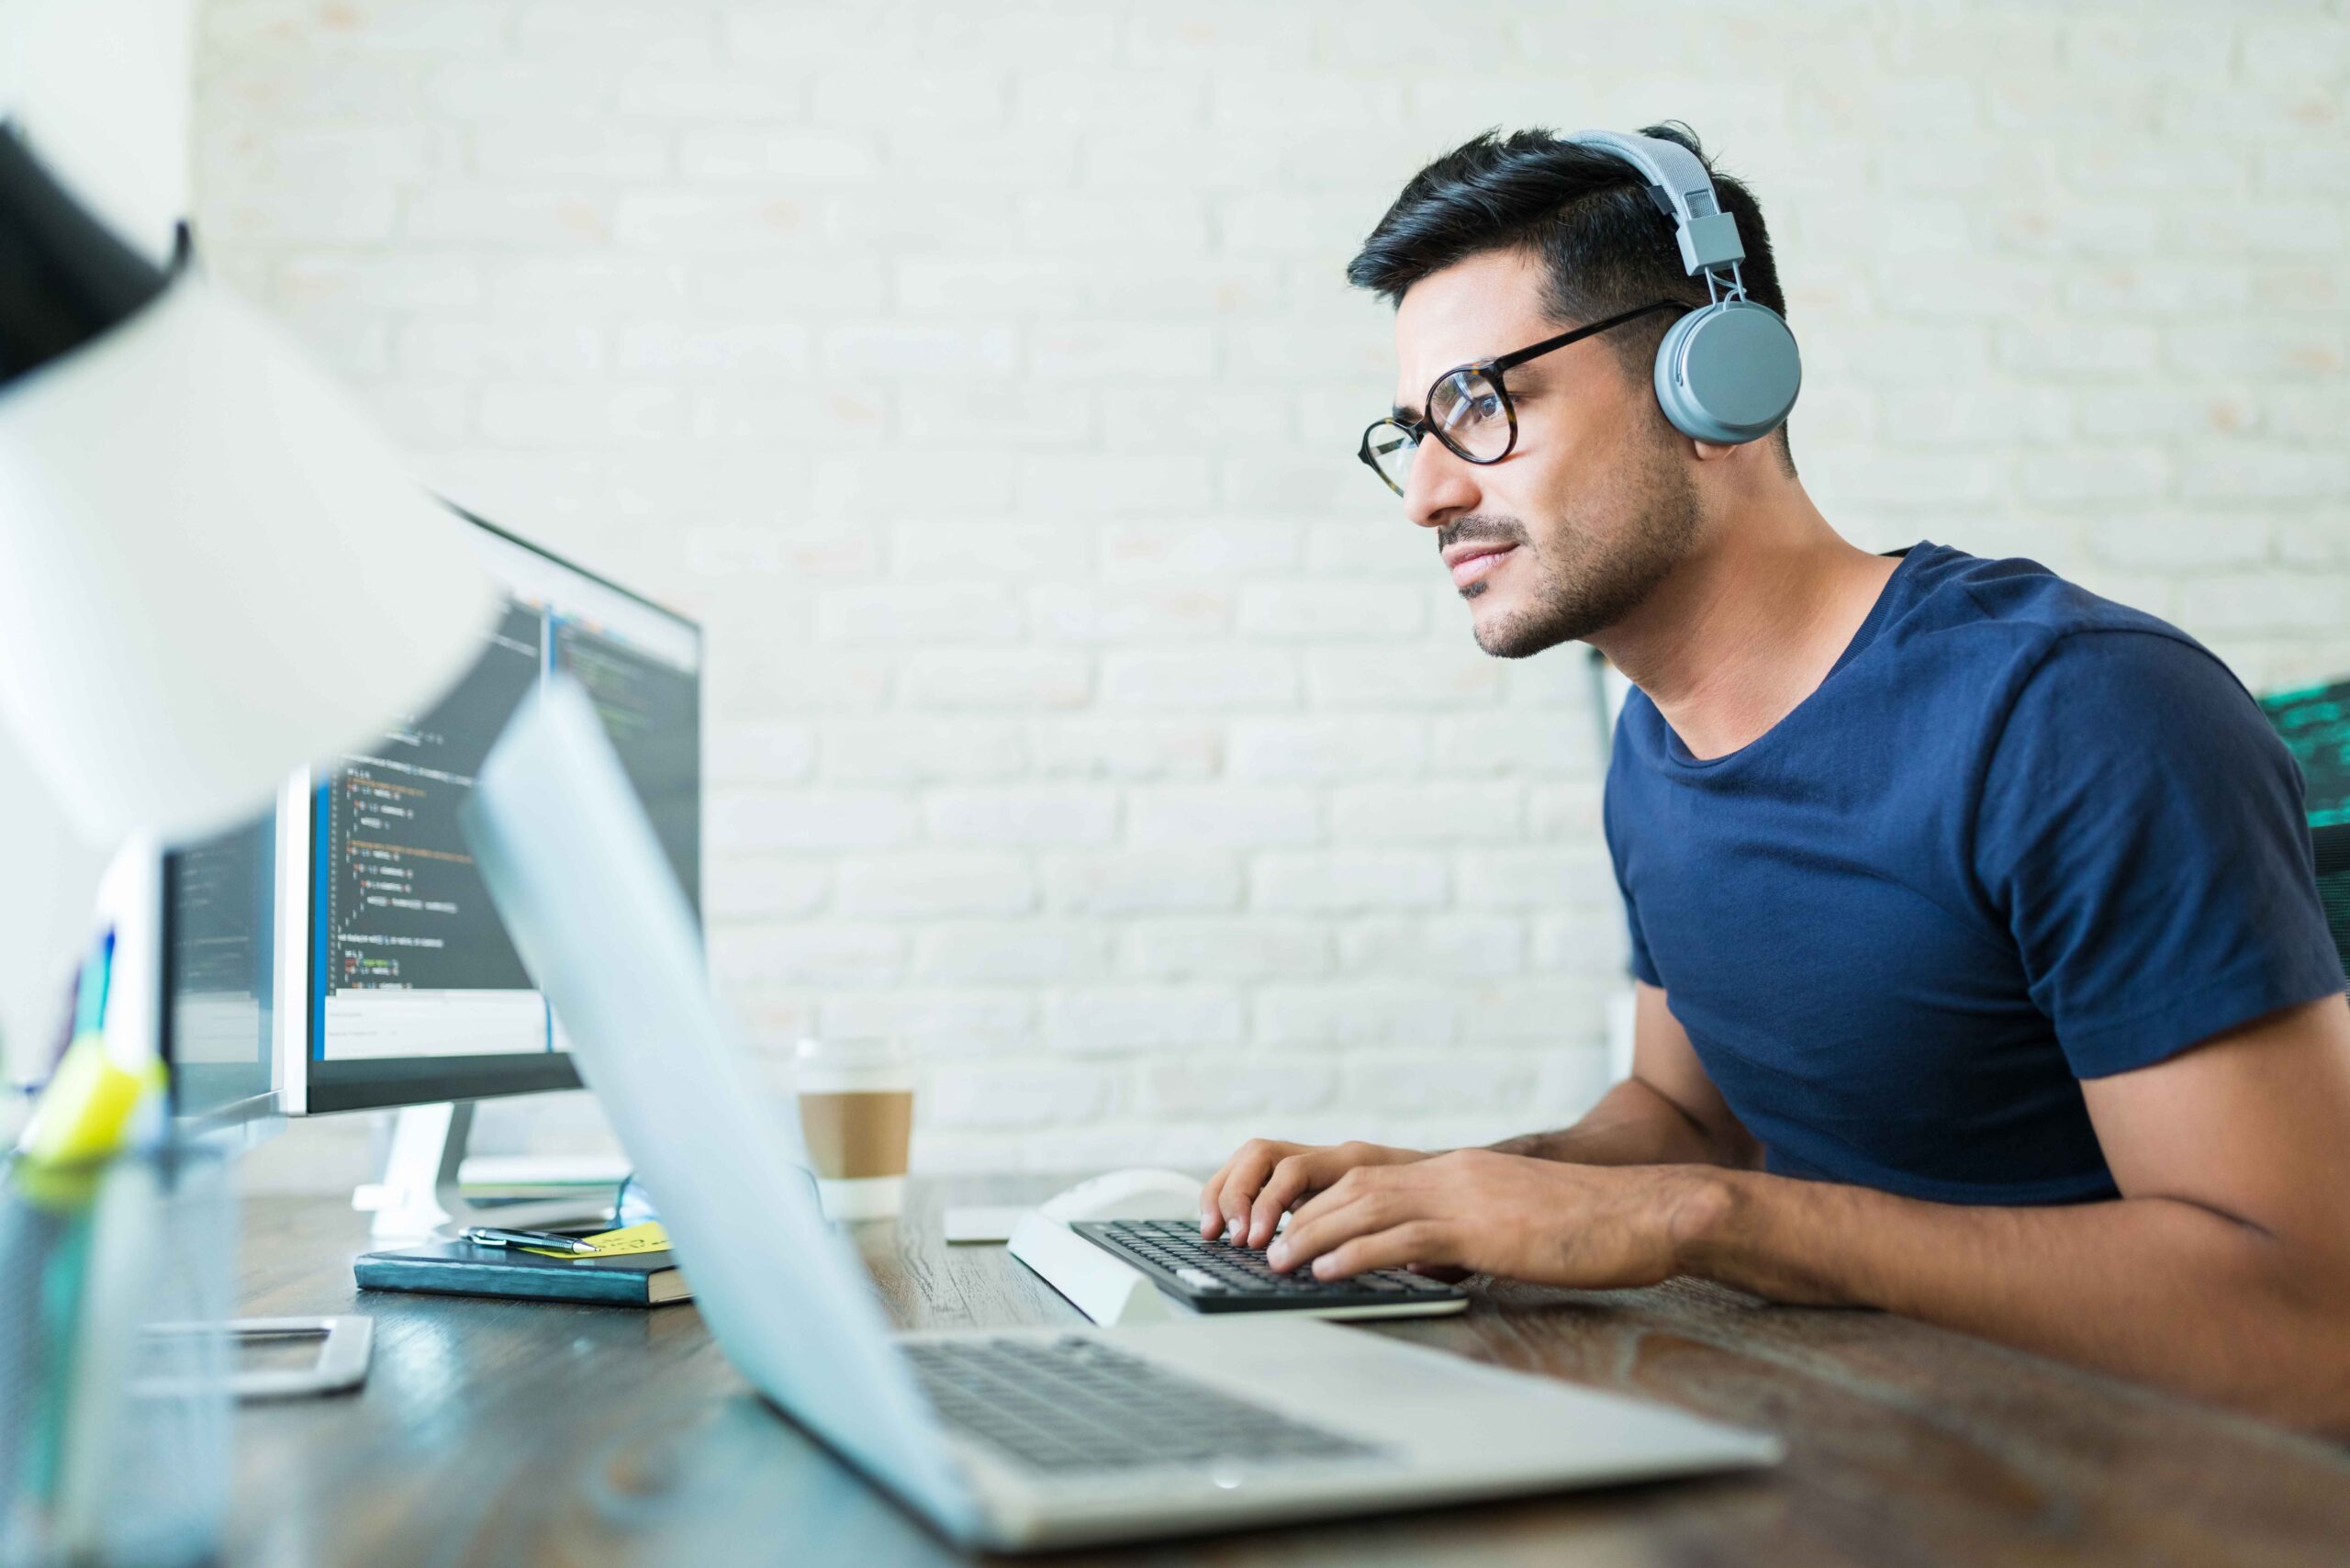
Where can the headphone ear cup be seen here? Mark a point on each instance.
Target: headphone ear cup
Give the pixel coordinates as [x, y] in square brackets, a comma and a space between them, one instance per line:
[1728, 373]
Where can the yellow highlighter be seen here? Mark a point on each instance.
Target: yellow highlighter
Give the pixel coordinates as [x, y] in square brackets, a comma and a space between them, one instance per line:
[99, 1083]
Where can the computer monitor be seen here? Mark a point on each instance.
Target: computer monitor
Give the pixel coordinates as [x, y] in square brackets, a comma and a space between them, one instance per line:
[219, 979]
[2315, 723]
[396, 984]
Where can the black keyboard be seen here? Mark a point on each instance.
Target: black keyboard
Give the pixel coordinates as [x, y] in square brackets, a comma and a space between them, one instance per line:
[1216, 1276]
[1077, 1404]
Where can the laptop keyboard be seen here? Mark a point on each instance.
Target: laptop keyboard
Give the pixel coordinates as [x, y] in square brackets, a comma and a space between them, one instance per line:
[1078, 1404]
[1219, 1276]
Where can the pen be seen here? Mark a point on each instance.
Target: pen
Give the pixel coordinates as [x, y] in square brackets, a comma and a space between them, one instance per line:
[490, 1235]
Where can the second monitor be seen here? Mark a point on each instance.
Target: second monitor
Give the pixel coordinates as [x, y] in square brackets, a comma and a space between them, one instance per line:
[396, 984]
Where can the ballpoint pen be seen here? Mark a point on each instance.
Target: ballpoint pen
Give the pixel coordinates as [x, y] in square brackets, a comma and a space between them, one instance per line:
[491, 1236]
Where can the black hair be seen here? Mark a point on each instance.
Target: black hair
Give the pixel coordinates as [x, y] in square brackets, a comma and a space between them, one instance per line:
[1586, 213]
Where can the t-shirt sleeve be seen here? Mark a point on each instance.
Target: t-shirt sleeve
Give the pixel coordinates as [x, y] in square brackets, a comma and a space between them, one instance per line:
[2141, 830]
[1643, 967]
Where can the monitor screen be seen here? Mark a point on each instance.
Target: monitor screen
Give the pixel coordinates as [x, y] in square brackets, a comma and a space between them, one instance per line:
[219, 974]
[414, 992]
[2315, 723]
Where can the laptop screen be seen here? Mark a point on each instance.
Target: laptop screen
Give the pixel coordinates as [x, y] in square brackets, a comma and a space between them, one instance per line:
[603, 926]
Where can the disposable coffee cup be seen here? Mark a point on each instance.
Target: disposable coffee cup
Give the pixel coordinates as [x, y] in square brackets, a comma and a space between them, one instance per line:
[857, 1114]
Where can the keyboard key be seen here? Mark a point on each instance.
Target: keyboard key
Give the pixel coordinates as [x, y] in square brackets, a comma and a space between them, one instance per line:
[1212, 1273]
[1074, 1403]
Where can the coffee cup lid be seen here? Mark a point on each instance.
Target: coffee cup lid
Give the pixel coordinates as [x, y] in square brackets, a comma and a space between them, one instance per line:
[847, 1052]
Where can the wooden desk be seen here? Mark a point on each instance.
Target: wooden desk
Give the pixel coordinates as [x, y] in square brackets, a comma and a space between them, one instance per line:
[495, 1433]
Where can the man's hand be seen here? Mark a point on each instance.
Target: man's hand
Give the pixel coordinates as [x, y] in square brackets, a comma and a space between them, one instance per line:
[1592, 1227]
[1265, 1176]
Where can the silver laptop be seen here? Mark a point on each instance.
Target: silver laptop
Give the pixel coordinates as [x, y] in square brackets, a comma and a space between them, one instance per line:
[1010, 1439]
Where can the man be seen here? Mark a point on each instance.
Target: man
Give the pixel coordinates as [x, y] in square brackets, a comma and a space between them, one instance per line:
[1981, 975]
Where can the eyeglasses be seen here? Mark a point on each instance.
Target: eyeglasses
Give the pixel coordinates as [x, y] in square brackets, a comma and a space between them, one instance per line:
[1468, 409]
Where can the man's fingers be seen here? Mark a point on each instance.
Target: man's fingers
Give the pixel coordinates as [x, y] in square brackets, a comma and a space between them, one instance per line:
[1212, 1202]
[1343, 1187]
[1334, 1195]
[1290, 1180]
[1389, 1248]
[1244, 1177]
[1212, 1221]
[1350, 1208]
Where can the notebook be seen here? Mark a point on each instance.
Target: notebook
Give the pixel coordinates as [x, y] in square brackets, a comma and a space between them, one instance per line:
[461, 1268]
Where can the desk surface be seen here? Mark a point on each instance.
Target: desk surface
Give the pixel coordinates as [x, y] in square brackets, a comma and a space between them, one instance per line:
[495, 1433]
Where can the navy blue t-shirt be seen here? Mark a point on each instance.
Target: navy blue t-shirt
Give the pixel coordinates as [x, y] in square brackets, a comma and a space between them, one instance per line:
[2021, 835]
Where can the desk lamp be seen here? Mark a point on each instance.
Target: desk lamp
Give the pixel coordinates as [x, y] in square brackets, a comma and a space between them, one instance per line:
[190, 518]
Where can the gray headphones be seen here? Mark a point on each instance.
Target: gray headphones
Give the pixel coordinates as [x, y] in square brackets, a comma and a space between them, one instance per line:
[1727, 371]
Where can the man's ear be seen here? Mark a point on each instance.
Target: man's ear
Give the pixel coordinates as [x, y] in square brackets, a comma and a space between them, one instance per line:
[1709, 452]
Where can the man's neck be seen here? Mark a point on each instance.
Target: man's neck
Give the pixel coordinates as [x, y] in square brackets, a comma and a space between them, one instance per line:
[1749, 625]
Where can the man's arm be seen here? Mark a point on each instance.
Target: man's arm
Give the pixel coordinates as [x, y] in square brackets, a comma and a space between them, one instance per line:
[2224, 1270]
[1667, 1112]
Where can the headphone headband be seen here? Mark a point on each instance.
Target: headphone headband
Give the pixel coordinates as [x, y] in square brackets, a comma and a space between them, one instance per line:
[1683, 191]
[1727, 371]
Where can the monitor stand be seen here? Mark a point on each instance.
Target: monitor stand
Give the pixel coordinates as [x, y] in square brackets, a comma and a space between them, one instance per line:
[421, 1195]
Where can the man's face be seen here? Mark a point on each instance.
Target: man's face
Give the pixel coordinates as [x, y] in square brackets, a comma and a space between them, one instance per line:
[1595, 505]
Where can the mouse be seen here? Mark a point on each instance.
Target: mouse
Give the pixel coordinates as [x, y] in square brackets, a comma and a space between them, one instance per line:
[1139, 1193]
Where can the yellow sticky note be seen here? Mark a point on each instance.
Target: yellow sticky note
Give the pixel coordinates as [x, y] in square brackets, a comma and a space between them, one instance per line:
[647, 1237]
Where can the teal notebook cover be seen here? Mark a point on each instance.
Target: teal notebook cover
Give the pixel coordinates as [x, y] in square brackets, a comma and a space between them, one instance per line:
[461, 1268]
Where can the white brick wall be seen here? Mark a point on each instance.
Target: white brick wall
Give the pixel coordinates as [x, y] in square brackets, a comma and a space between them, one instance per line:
[984, 377]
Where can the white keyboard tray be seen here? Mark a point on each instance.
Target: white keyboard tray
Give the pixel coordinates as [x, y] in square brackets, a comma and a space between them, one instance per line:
[1104, 1287]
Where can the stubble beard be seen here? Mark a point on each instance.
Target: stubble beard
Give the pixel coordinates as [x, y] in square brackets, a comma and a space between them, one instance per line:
[1582, 586]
